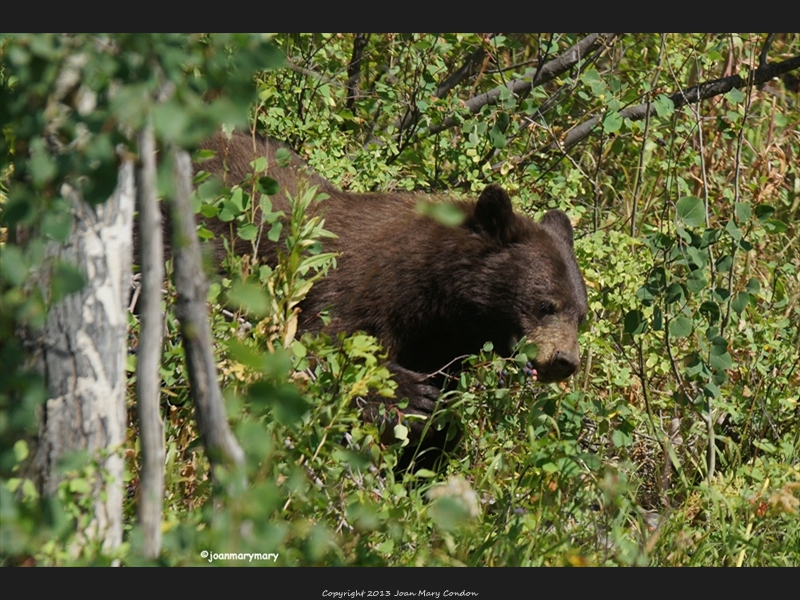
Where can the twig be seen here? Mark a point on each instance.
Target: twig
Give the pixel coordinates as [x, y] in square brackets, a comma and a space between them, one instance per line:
[762, 59]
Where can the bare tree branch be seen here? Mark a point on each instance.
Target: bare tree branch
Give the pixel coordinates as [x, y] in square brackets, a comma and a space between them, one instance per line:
[707, 90]
[691, 95]
[148, 380]
[354, 69]
[464, 71]
[762, 60]
[534, 77]
[190, 308]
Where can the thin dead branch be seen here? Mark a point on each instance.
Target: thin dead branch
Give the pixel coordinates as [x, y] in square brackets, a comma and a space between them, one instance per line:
[148, 379]
[190, 308]
[354, 69]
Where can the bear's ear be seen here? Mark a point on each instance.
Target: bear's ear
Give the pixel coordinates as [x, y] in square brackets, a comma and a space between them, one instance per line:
[493, 213]
[558, 222]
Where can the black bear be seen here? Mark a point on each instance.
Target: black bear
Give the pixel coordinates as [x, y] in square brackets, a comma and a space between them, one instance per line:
[429, 292]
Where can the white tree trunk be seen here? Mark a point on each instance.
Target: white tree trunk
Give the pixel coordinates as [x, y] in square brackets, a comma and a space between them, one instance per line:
[83, 356]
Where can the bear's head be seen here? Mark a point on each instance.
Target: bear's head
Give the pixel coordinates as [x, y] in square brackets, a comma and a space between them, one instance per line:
[534, 284]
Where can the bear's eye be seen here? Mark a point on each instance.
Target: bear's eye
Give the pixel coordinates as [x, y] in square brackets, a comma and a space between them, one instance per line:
[547, 308]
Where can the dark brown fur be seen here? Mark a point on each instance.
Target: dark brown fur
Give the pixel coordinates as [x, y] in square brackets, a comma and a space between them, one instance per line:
[432, 293]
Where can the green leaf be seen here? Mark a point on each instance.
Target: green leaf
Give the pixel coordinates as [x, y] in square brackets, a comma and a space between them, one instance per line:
[724, 263]
[425, 474]
[721, 361]
[612, 122]
[590, 76]
[237, 201]
[719, 358]
[444, 212]
[765, 445]
[298, 349]
[42, 166]
[67, 279]
[13, 267]
[275, 231]
[316, 262]
[733, 230]
[267, 185]
[710, 236]
[680, 327]
[764, 212]
[691, 211]
[735, 96]
[664, 105]
[250, 297]
[283, 157]
[775, 226]
[658, 319]
[743, 211]
[694, 365]
[79, 486]
[645, 295]
[740, 302]
[497, 138]
[247, 232]
[172, 123]
[753, 286]
[203, 155]
[57, 224]
[259, 165]
[710, 310]
[698, 258]
[721, 294]
[386, 548]
[622, 436]
[400, 432]
[695, 281]
[674, 293]
[524, 350]
[635, 323]
[287, 404]
[209, 210]
[20, 450]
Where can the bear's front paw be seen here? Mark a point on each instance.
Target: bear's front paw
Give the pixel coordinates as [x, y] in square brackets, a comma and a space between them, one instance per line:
[422, 399]
[417, 388]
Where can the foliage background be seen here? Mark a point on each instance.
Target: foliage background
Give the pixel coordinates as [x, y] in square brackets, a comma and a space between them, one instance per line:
[677, 443]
